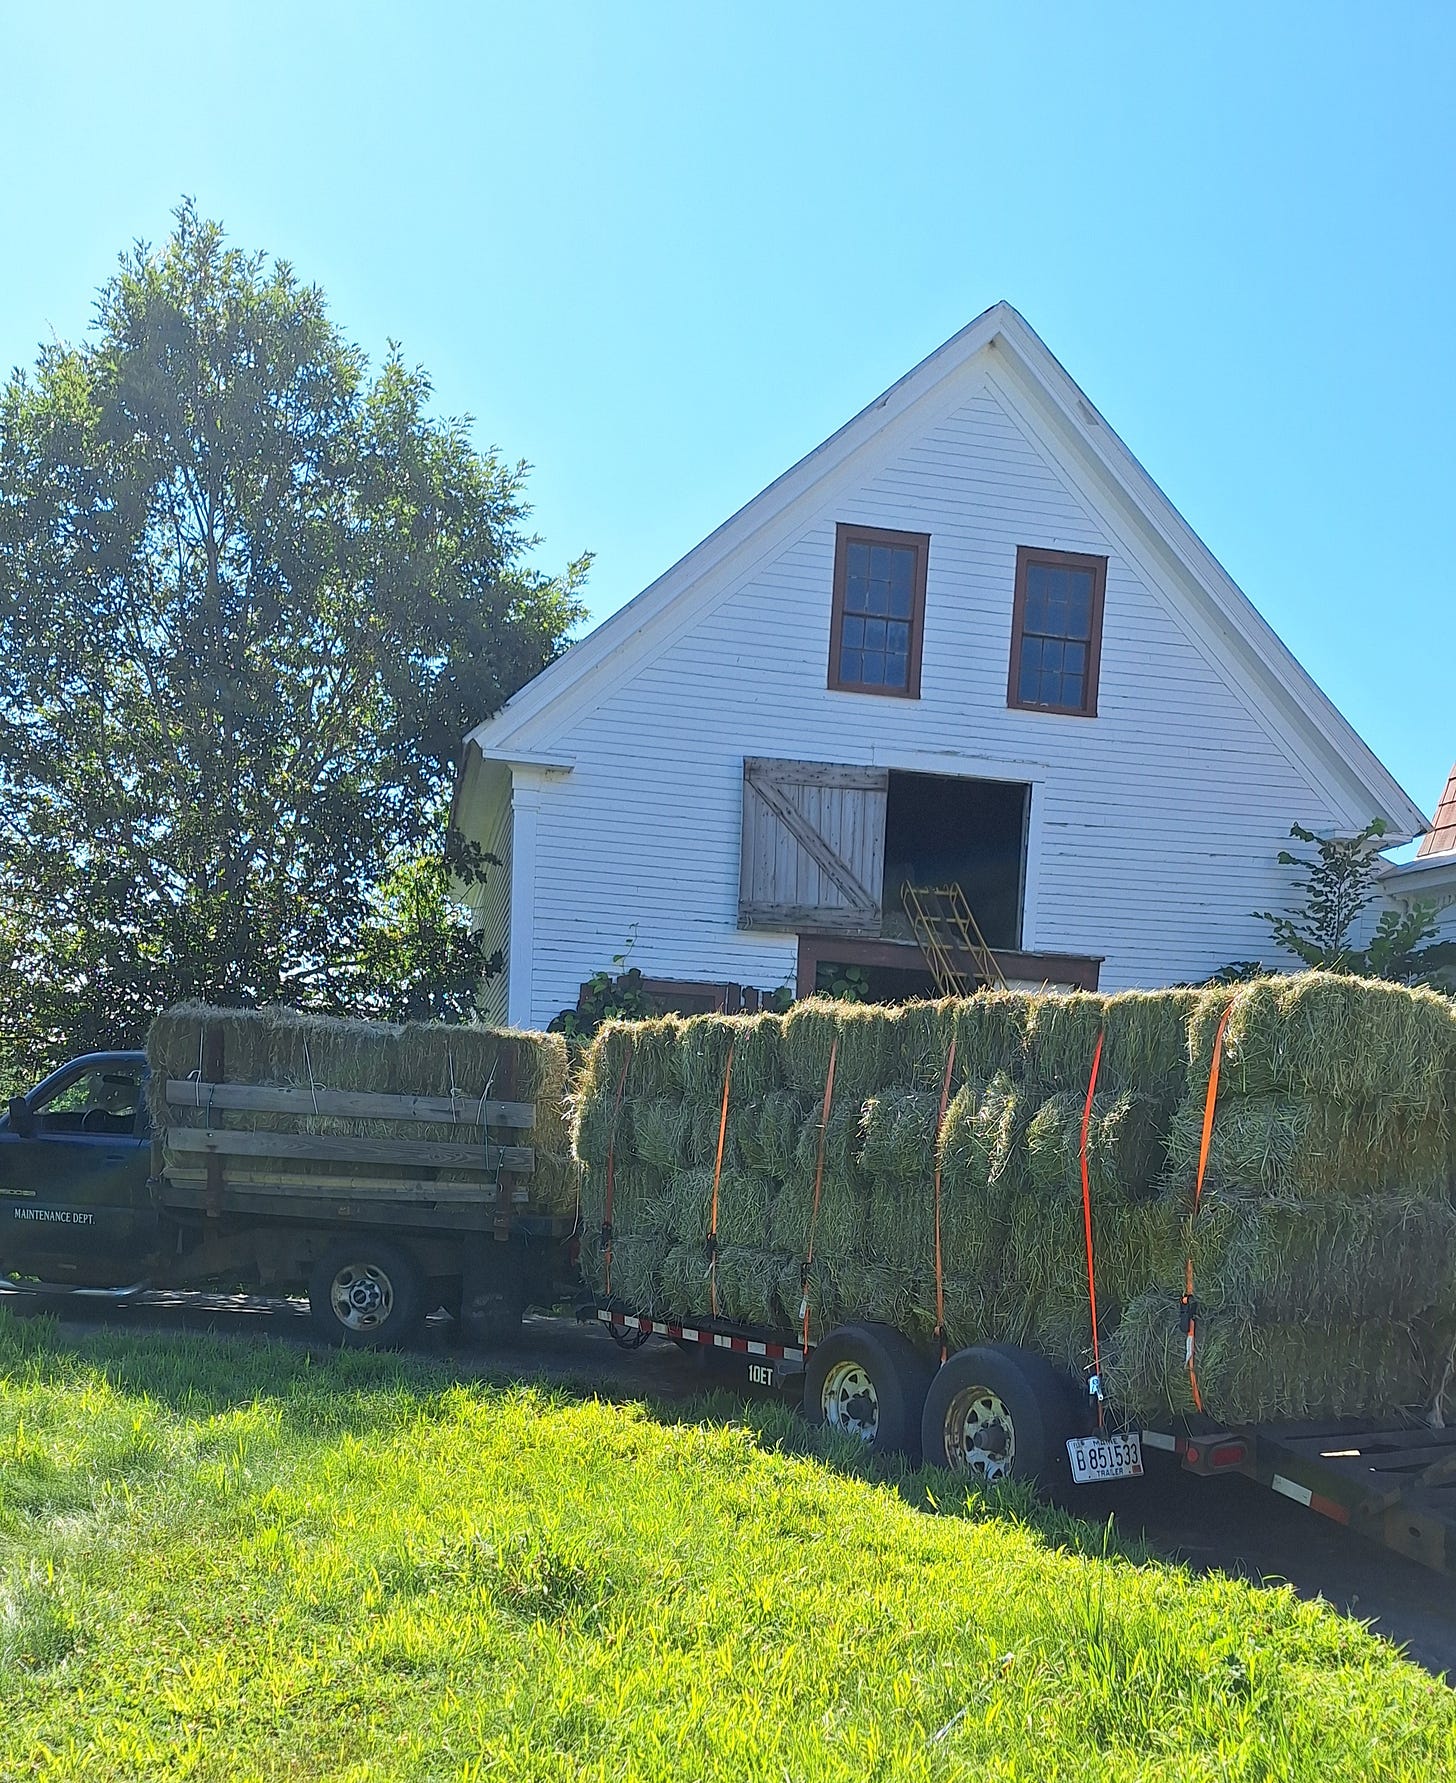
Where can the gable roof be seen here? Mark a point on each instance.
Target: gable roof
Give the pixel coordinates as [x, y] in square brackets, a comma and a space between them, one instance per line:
[1148, 526]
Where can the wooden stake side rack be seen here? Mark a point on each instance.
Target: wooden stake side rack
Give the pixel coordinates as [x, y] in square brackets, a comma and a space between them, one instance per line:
[218, 1169]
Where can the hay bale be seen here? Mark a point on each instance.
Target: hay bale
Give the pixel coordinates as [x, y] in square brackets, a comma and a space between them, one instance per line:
[1278, 1260]
[662, 1132]
[838, 1228]
[748, 1281]
[1323, 1035]
[867, 1056]
[683, 1281]
[1281, 1144]
[1124, 1147]
[897, 1135]
[744, 1200]
[1250, 1373]
[768, 1133]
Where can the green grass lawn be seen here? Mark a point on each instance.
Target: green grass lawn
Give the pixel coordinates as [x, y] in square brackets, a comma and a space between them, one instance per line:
[225, 1560]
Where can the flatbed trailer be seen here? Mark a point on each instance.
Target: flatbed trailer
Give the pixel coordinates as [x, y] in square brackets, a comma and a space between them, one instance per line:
[1393, 1484]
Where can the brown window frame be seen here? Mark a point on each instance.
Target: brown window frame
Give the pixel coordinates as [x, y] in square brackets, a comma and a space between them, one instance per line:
[1026, 555]
[846, 535]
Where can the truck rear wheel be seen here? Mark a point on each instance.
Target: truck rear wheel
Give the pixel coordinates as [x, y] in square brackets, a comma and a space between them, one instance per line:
[996, 1412]
[868, 1381]
[365, 1295]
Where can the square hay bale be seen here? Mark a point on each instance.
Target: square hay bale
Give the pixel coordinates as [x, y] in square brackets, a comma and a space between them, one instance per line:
[1353, 1258]
[661, 1130]
[701, 1058]
[1125, 1147]
[748, 1281]
[744, 1200]
[1250, 1373]
[898, 1130]
[838, 1228]
[1278, 1143]
[867, 1056]
[768, 1132]
[1324, 1035]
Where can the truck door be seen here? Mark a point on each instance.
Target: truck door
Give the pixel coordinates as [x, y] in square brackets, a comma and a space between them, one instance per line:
[74, 1202]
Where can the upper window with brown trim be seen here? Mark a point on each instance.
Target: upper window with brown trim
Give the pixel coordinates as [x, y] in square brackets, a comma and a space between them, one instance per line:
[879, 611]
[1056, 631]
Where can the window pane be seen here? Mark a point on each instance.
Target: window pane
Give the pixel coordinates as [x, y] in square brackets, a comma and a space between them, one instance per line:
[882, 562]
[874, 668]
[1031, 655]
[1051, 655]
[1028, 686]
[1074, 658]
[852, 634]
[897, 669]
[897, 637]
[1038, 578]
[874, 634]
[851, 665]
[1071, 694]
[1079, 604]
[857, 561]
[901, 583]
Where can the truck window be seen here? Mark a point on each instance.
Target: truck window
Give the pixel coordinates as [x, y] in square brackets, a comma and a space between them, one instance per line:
[105, 1100]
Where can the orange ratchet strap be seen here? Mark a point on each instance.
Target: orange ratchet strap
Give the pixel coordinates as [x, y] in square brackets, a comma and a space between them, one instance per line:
[939, 1269]
[1095, 1384]
[818, 1184]
[1188, 1308]
[717, 1178]
[607, 1234]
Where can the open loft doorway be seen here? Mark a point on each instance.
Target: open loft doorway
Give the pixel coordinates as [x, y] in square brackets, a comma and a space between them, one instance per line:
[944, 834]
[832, 851]
[942, 830]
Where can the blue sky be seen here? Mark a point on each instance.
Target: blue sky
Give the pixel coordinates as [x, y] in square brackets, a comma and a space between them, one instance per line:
[662, 250]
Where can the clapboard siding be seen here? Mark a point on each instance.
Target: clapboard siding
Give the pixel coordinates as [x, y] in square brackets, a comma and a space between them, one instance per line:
[1158, 822]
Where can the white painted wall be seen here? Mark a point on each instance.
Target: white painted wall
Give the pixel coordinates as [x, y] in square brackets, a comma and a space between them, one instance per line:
[1155, 825]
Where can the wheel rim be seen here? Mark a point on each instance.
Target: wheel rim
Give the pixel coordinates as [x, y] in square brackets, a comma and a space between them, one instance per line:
[980, 1436]
[362, 1296]
[849, 1401]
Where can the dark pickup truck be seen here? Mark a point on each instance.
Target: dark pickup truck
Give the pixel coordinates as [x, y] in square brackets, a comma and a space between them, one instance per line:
[87, 1207]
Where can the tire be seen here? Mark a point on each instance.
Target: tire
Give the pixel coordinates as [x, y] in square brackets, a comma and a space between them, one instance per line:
[997, 1412]
[870, 1382]
[366, 1295]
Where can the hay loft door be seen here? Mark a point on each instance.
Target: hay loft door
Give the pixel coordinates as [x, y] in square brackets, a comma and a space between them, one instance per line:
[813, 847]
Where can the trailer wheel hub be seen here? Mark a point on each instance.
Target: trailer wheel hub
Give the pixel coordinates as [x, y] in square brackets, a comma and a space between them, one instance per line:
[850, 1401]
[980, 1437]
[362, 1296]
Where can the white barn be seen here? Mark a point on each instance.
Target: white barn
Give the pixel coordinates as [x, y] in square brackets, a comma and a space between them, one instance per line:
[967, 639]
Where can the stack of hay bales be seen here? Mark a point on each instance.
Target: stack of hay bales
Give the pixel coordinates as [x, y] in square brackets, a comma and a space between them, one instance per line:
[279, 1048]
[1007, 1150]
[1325, 1246]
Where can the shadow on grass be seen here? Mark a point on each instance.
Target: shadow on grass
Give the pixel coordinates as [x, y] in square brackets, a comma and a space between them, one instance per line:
[322, 1393]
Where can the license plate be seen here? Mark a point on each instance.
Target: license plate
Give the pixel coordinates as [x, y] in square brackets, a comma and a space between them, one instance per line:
[1105, 1458]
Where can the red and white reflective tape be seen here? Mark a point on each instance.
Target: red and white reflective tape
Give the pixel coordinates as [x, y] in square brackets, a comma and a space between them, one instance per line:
[720, 1340]
[1327, 1507]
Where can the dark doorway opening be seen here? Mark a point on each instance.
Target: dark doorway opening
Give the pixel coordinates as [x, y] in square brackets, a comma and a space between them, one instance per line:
[943, 829]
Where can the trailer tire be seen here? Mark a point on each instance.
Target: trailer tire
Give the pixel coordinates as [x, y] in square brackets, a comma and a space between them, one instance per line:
[995, 1412]
[869, 1381]
[366, 1295]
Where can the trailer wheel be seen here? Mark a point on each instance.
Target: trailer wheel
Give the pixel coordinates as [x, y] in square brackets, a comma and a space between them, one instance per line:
[870, 1382]
[365, 1295]
[996, 1412]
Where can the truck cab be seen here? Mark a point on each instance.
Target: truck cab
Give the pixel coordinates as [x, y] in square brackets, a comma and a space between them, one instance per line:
[75, 1155]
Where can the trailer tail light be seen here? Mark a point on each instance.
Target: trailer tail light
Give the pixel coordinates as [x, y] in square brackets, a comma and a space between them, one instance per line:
[1219, 1454]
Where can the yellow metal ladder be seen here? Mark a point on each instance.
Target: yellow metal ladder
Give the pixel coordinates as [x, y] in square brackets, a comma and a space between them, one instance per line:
[944, 925]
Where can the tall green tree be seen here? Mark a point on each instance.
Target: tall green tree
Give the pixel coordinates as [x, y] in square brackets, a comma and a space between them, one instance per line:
[252, 594]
